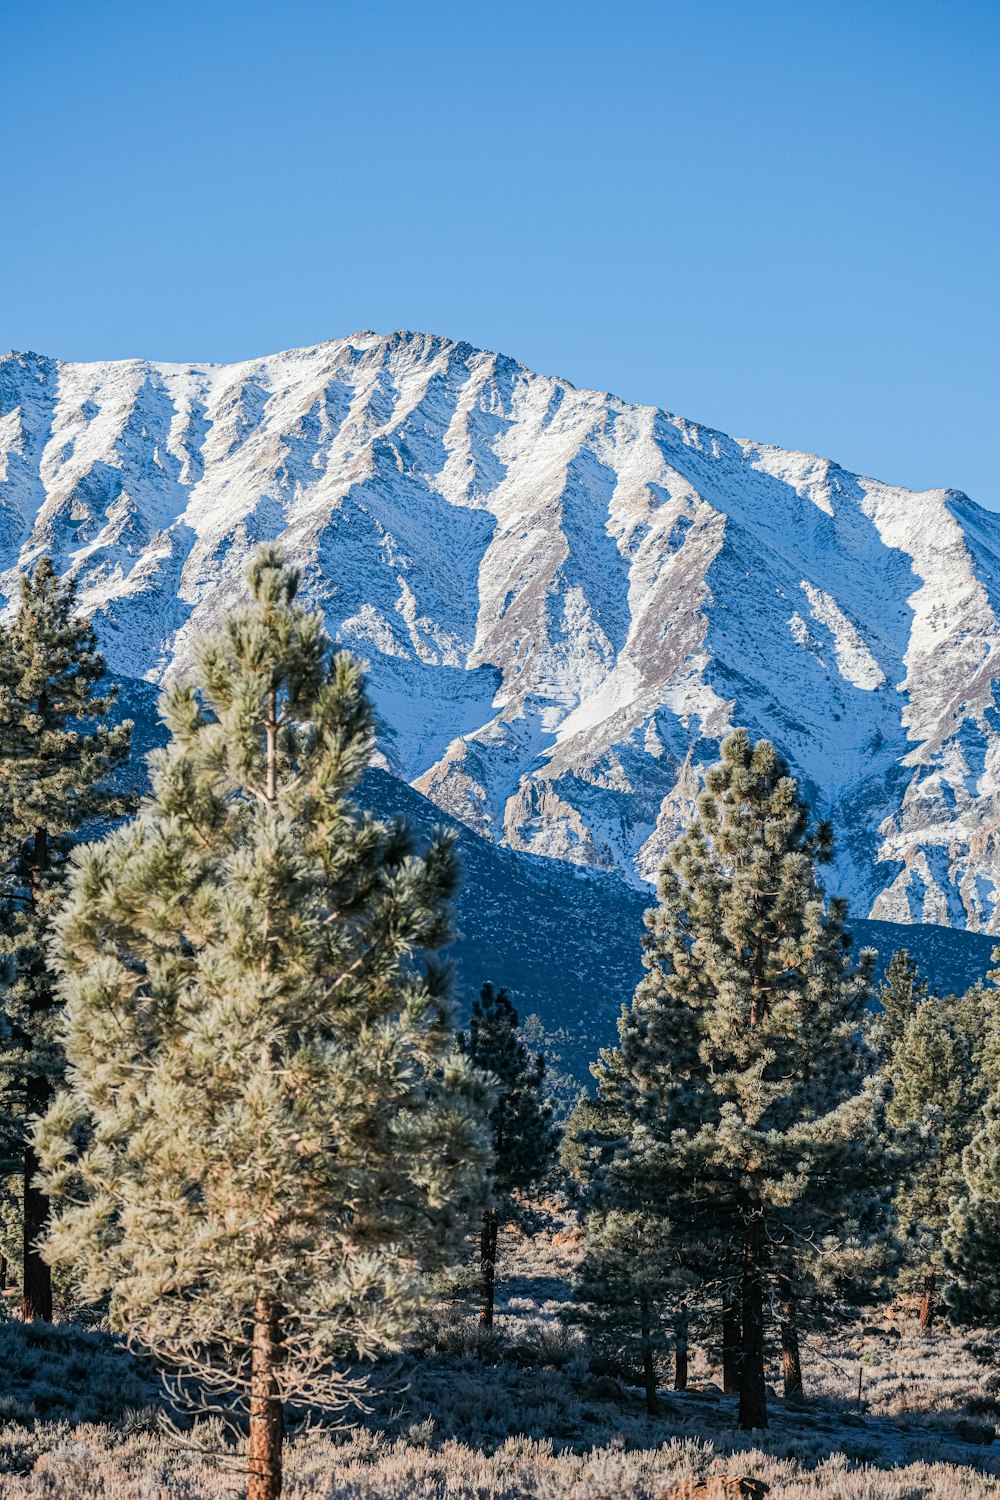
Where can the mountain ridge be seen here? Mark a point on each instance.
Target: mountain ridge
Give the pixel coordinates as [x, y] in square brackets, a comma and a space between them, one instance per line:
[566, 941]
[565, 599]
[401, 334]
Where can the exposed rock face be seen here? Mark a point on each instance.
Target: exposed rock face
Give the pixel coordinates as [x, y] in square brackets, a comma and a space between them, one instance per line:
[565, 600]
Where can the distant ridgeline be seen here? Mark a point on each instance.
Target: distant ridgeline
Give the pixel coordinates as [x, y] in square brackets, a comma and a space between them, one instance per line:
[565, 600]
[566, 940]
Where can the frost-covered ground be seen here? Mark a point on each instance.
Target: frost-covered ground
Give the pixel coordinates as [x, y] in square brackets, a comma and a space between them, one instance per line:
[565, 599]
[518, 1414]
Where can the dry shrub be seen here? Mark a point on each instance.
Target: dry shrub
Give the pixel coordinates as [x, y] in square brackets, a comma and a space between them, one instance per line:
[459, 1421]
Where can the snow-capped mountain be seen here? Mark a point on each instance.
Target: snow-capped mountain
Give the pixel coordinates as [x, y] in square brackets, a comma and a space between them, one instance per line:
[565, 600]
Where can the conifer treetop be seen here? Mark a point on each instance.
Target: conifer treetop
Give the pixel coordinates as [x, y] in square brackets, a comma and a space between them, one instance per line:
[57, 759]
[524, 1138]
[52, 684]
[902, 990]
[748, 961]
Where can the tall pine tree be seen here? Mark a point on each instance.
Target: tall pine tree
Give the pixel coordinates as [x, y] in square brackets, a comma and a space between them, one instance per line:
[648, 1226]
[935, 1068]
[971, 1238]
[741, 1064]
[267, 1134]
[55, 761]
[524, 1140]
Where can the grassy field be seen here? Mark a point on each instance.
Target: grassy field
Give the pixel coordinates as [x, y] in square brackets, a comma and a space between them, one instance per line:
[519, 1414]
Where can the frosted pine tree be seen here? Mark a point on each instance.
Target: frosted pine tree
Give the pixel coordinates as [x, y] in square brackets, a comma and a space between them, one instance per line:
[797, 1136]
[524, 1140]
[898, 996]
[748, 1081]
[935, 1068]
[622, 1286]
[267, 1135]
[971, 1238]
[648, 1239]
[55, 760]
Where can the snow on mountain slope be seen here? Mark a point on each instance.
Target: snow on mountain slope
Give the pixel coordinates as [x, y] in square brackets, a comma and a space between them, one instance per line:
[565, 940]
[565, 600]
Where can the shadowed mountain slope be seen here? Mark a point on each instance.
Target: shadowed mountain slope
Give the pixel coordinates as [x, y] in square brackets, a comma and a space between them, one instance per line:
[566, 941]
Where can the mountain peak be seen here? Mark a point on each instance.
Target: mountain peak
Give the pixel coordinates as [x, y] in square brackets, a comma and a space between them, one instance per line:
[565, 599]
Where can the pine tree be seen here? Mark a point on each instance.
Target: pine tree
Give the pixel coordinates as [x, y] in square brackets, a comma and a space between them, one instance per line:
[621, 1285]
[267, 1135]
[971, 1238]
[639, 1277]
[55, 761]
[900, 993]
[935, 1069]
[561, 1086]
[741, 1069]
[524, 1140]
[648, 1228]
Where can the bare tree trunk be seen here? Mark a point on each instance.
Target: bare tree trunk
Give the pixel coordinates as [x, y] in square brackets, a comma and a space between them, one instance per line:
[648, 1365]
[4, 1270]
[753, 1394]
[791, 1359]
[488, 1266]
[928, 1306]
[732, 1343]
[267, 1419]
[681, 1352]
[36, 1279]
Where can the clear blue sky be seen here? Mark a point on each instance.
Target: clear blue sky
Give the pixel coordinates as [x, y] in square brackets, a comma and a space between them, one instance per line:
[779, 217]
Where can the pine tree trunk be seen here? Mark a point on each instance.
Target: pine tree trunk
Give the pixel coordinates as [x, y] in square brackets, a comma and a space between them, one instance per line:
[272, 747]
[488, 1266]
[36, 1279]
[753, 1394]
[681, 1353]
[267, 1420]
[648, 1365]
[927, 1303]
[732, 1344]
[791, 1359]
[39, 863]
[3, 1273]
[757, 998]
